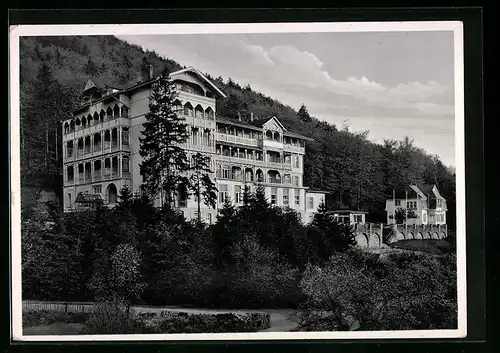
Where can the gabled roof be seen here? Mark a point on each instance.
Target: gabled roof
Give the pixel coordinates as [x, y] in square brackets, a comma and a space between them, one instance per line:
[241, 123]
[200, 75]
[261, 122]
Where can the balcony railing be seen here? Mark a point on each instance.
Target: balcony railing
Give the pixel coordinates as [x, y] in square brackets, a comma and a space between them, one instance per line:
[236, 139]
[293, 148]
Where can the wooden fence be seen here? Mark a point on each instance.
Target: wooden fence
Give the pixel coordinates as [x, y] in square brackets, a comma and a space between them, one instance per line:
[67, 307]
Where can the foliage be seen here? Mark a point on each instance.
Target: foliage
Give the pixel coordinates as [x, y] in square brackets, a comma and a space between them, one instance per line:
[171, 322]
[402, 292]
[47, 317]
[111, 317]
[402, 214]
[163, 158]
[200, 183]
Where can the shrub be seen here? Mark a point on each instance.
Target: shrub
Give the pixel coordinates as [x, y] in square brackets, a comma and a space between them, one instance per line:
[111, 318]
[46, 317]
[171, 322]
[403, 291]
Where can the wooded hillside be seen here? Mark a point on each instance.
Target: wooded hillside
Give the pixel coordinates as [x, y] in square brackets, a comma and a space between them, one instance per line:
[357, 172]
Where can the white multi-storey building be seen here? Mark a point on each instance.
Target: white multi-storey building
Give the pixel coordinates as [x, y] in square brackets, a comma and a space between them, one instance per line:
[101, 148]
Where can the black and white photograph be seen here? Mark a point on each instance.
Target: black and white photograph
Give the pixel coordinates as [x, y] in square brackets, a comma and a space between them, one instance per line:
[237, 181]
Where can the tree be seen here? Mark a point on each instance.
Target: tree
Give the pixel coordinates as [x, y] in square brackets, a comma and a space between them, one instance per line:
[304, 114]
[328, 235]
[164, 160]
[224, 233]
[200, 183]
[402, 214]
[125, 198]
[91, 68]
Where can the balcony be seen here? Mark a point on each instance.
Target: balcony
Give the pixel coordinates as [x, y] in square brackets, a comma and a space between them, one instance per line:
[198, 121]
[237, 139]
[106, 124]
[196, 98]
[296, 149]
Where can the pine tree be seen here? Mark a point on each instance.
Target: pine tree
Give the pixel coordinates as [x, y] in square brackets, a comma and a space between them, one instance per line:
[200, 183]
[304, 114]
[125, 199]
[164, 160]
[91, 68]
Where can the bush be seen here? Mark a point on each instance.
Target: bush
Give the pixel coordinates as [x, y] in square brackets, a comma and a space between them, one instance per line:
[170, 322]
[402, 292]
[111, 318]
[48, 317]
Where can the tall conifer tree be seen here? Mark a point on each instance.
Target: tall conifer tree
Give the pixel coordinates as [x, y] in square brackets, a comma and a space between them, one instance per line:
[164, 159]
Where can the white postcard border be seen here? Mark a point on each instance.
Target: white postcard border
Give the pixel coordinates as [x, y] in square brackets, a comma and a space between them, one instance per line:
[211, 28]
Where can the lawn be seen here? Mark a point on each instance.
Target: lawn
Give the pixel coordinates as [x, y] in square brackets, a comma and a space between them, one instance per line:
[432, 246]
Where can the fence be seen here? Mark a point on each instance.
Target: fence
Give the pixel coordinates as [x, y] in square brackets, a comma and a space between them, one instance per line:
[66, 307]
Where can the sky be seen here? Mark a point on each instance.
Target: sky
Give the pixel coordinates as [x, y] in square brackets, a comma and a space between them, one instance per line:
[394, 84]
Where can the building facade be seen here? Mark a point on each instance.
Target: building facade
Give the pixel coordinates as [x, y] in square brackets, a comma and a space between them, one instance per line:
[423, 202]
[101, 147]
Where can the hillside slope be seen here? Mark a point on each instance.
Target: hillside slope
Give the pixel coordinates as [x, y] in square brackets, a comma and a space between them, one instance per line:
[356, 172]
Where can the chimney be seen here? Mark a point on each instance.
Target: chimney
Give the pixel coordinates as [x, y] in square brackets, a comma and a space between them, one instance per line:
[239, 116]
[251, 116]
[150, 72]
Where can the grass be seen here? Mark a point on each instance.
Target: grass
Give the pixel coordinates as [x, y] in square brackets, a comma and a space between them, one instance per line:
[58, 328]
[432, 246]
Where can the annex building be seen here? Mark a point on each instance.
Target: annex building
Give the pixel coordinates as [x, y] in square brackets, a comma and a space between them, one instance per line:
[101, 147]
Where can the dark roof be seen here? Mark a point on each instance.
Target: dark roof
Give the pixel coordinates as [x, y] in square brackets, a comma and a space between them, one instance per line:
[241, 123]
[88, 198]
[293, 134]
[426, 189]
[401, 194]
[260, 122]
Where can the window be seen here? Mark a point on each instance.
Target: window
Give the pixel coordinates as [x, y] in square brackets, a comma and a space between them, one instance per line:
[296, 161]
[297, 197]
[439, 203]
[223, 195]
[226, 172]
[69, 199]
[195, 137]
[97, 189]
[411, 204]
[125, 165]
[398, 203]
[286, 197]
[295, 180]
[310, 203]
[125, 136]
[358, 218]
[209, 218]
[238, 195]
[274, 196]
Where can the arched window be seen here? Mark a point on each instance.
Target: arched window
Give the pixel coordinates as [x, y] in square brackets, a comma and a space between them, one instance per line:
[274, 177]
[269, 135]
[209, 113]
[69, 149]
[78, 124]
[276, 136]
[66, 127]
[188, 109]
[72, 126]
[112, 194]
[102, 116]
[87, 144]
[109, 113]
[116, 111]
[84, 122]
[236, 173]
[199, 111]
[259, 176]
[97, 142]
[96, 119]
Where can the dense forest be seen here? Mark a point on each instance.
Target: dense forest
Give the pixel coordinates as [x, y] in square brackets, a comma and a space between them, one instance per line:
[356, 172]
